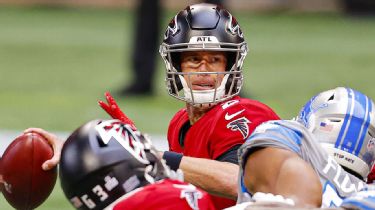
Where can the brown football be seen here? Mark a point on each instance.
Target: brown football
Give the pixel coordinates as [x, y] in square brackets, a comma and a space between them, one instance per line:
[26, 184]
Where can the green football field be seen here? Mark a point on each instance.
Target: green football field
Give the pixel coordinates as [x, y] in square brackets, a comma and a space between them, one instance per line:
[55, 63]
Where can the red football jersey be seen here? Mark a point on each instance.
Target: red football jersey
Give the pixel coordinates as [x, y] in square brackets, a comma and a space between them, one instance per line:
[224, 126]
[167, 195]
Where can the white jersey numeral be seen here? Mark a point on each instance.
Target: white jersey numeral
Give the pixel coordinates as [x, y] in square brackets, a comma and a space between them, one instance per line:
[88, 202]
[98, 190]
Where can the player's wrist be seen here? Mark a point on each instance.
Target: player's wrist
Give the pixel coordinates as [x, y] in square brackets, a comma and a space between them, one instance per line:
[172, 159]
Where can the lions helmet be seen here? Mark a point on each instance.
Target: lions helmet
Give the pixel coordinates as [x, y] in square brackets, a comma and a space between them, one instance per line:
[203, 27]
[343, 120]
[104, 160]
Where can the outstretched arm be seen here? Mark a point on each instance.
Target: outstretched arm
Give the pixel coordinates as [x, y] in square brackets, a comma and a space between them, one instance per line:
[215, 177]
[56, 144]
[282, 172]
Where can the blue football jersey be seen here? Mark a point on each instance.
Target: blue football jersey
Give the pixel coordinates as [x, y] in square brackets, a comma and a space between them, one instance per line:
[337, 184]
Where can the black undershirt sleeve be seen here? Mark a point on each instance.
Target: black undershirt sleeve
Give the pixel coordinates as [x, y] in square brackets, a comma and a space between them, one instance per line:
[182, 134]
[230, 155]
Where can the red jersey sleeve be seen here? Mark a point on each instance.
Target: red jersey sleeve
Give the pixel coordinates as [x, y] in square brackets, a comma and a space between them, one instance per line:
[236, 122]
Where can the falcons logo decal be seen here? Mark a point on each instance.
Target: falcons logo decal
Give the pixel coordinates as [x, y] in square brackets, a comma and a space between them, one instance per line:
[240, 124]
[172, 28]
[115, 130]
[233, 26]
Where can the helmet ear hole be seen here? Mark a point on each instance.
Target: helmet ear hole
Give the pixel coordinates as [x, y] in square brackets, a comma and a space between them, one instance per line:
[332, 97]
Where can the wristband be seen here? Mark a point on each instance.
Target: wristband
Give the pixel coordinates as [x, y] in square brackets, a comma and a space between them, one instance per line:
[173, 159]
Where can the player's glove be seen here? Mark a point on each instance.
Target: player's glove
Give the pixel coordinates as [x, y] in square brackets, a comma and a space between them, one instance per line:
[114, 110]
[363, 200]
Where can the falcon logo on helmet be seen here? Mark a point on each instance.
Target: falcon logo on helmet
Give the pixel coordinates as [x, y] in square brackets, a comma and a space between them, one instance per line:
[172, 28]
[124, 134]
[233, 26]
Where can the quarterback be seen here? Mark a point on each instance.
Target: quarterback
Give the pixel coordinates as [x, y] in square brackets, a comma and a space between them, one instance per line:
[203, 51]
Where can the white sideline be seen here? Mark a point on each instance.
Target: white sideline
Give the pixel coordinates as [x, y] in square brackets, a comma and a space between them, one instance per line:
[7, 136]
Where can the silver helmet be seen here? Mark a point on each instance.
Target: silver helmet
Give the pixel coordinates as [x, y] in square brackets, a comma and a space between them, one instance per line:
[203, 27]
[343, 120]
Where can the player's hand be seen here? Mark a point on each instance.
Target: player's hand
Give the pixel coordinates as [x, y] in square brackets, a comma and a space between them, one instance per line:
[114, 110]
[56, 144]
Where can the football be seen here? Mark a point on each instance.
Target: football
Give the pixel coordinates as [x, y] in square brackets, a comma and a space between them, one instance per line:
[26, 184]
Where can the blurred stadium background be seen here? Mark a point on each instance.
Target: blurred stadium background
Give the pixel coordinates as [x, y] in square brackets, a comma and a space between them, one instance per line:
[57, 58]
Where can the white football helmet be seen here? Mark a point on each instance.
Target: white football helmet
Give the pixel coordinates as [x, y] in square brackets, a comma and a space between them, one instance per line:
[203, 27]
[343, 120]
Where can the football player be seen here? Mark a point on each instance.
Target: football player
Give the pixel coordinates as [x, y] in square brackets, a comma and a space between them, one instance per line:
[108, 165]
[318, 159]
[204, 50]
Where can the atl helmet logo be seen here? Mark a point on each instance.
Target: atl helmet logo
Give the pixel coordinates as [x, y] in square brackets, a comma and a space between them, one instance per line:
[123, 134]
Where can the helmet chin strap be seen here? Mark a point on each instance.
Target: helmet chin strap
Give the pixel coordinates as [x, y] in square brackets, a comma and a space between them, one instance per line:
[203, 96]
